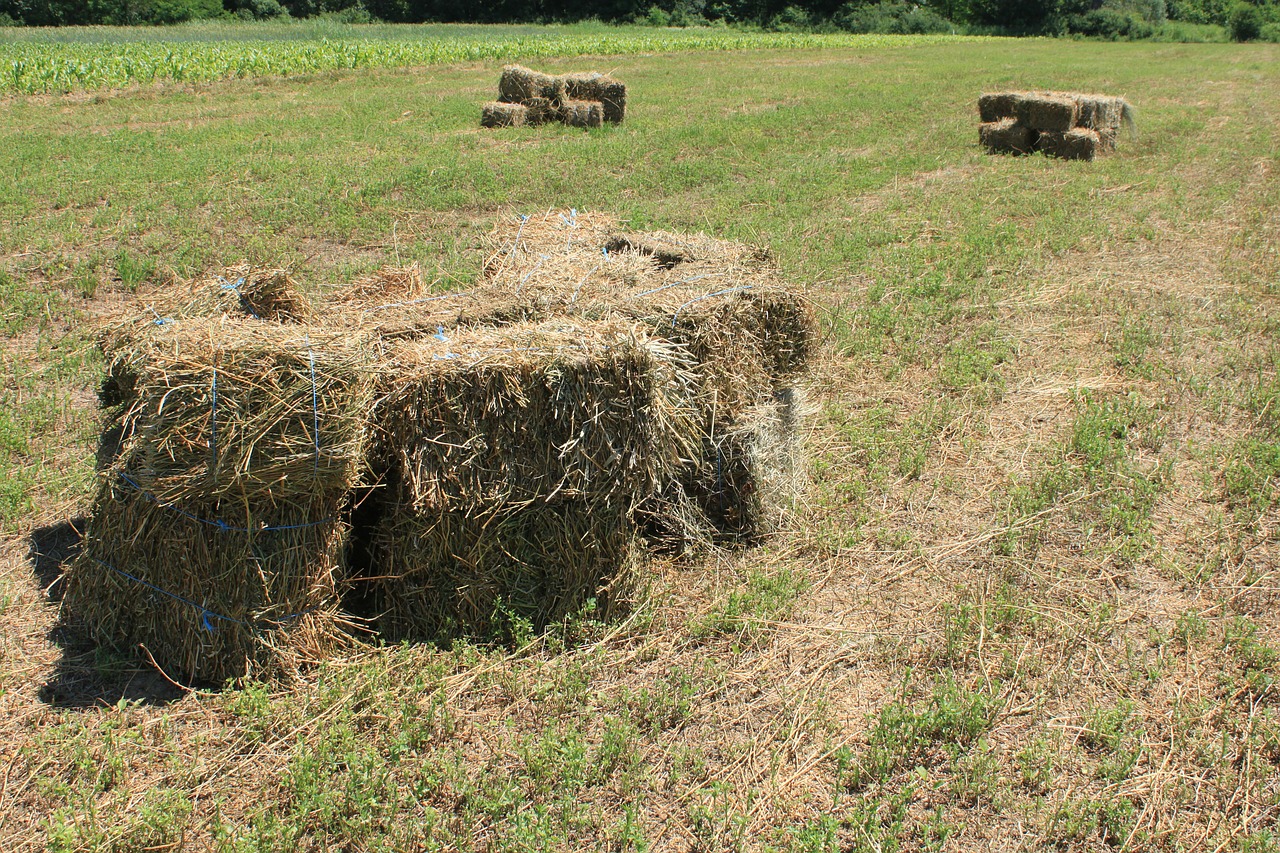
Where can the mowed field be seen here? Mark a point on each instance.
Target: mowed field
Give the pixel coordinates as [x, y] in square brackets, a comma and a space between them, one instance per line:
[1031, 599]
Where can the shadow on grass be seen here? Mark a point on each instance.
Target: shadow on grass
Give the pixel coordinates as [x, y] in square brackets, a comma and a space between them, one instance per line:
[87, 675]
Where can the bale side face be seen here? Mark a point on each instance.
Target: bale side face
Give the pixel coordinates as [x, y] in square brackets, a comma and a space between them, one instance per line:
[582, 114]
[496, 114]
[444, 575]
[259, 585]
[1006, 136]
[998, 106]
[1048, 112]
[492, 417]
[1077, 144]
[1101, 112]
[611, 93]
[518, 85]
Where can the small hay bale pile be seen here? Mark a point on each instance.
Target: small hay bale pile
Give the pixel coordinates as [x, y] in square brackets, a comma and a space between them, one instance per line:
[1070, 126]
[216, 535]
[527, 97]
[514, 459]
[749, 341]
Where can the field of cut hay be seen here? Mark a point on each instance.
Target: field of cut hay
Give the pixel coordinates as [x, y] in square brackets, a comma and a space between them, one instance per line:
[1027, 598]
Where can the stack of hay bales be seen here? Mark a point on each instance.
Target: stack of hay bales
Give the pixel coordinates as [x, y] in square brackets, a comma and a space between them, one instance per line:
[458, 463]
[216, 537]
[1070, 126]
[527, 97]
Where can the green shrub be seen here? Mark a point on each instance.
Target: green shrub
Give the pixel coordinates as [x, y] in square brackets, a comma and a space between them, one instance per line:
[1245, 22]
[1270, 32]
[1109, 24]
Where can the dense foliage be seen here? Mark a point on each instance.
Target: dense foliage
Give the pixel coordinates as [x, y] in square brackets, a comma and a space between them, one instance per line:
[1113, 19]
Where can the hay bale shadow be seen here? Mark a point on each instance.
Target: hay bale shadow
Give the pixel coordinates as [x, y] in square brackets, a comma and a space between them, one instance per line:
[86, 676]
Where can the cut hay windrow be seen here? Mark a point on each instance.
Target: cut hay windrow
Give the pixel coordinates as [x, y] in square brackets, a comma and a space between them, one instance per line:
[217, 536]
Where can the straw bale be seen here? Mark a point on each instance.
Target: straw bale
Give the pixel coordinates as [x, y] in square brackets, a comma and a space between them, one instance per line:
[541, 111]
[497, 114]
[1104, 112]
[1006, 136]
[478, 572]
[582, 113]
[518, 85]
[993, 107]
[593, 86]
[1076, 144]
[225, 588]
[487, 417]
[223, 405]
[1048, 111]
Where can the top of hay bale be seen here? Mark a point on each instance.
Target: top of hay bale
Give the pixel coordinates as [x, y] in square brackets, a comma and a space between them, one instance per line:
[225, 406]
[537, 412]
[518, 85]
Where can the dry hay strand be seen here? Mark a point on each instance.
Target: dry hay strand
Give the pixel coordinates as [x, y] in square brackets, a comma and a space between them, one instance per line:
[997, 106]
[542, 110]
[1006, 136]
[562, 409]
[593, 86]
[483, 572]
[519, 85]
[216, 538]
[386, 284]
[1048, 111]
[582, 114]
[498, 114]
[1076, 144]
[219, 589]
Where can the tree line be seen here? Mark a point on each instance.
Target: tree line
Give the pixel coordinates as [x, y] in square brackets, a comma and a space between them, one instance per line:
[1245, 19]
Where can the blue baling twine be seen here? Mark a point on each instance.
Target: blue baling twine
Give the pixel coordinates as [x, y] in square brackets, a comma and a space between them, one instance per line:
[213, 421]
[206, 615]
[218, 523]
[531, 272]
[676, 316]
[315, 406]
[234, 287]
[159, 321]
[523, 219]
[669, 286]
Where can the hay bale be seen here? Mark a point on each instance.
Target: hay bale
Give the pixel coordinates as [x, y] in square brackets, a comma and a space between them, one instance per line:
[1104, 112]
[518, 85]
[1076, 144]
[542, 110]
[582, 113]
[665, 253]
[216, 538]
[1006, 136]
[1048, 111]
[593, 86]
[492, 417]
[496, 114]
[993, 107]
[478, 572]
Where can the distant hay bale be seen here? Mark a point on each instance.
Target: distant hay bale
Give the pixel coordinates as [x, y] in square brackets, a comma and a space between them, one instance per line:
[993, 107]
[1048, 111]
[1076, 144]
[1006, 136]
[518, 85]
[216, 538]
[593, 86]
[1104, 112]
[582, 113]
[497, 114]
[541, 111]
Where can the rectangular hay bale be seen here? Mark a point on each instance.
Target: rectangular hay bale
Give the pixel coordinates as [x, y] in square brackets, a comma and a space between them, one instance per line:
[1048, 111]
[582, 114]
[1006, 136]
[997, 106]
[498, 114]
[518, 85]
[1076, 144]
[593, 86]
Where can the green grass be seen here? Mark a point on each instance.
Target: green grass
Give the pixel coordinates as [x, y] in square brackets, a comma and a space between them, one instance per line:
[1030, 593]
